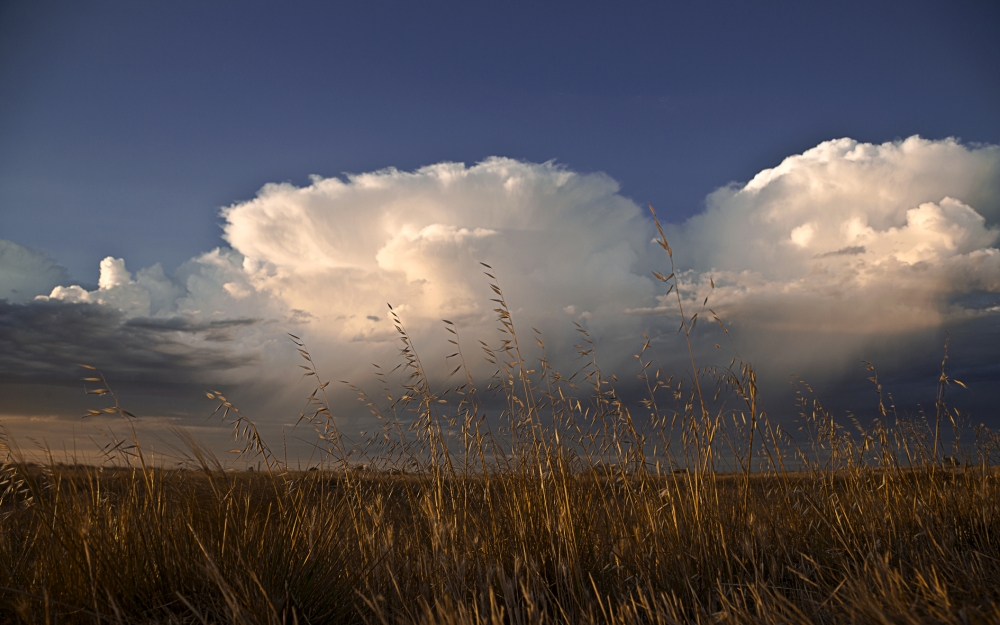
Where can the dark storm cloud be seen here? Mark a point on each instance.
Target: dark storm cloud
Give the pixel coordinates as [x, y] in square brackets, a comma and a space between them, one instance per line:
[216, 331]
[41, 342]
[908, 366]
[850, 250]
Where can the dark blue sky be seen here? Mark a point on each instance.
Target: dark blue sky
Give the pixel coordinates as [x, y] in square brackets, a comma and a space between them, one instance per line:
[125, 126]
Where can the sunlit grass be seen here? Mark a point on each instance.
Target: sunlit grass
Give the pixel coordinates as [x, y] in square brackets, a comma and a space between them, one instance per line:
[563, 505]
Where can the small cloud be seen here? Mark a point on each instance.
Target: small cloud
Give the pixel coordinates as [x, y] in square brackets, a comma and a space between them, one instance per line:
[299, 317]
[851, 250]
[649, 310]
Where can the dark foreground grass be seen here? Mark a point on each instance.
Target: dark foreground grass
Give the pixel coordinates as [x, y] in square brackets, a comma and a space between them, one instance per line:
[559, 508]
[860, 545]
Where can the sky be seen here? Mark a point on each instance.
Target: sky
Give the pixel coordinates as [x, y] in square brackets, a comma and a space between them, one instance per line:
[183, 183]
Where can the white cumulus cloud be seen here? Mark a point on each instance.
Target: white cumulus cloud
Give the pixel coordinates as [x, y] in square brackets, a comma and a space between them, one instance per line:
[342, 249]
[846, 240]
[324, 260]
[852, 238]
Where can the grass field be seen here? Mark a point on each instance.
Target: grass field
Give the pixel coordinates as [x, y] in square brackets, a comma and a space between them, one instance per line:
[564, 506]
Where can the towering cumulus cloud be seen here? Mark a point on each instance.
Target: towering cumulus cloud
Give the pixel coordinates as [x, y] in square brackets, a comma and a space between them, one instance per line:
[847, 240]
[854, 238]
[341, 250]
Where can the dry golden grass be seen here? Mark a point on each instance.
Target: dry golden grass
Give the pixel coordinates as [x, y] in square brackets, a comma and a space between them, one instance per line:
[560, 508]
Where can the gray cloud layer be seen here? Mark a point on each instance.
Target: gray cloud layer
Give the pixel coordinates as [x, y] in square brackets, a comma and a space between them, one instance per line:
[43, 341]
